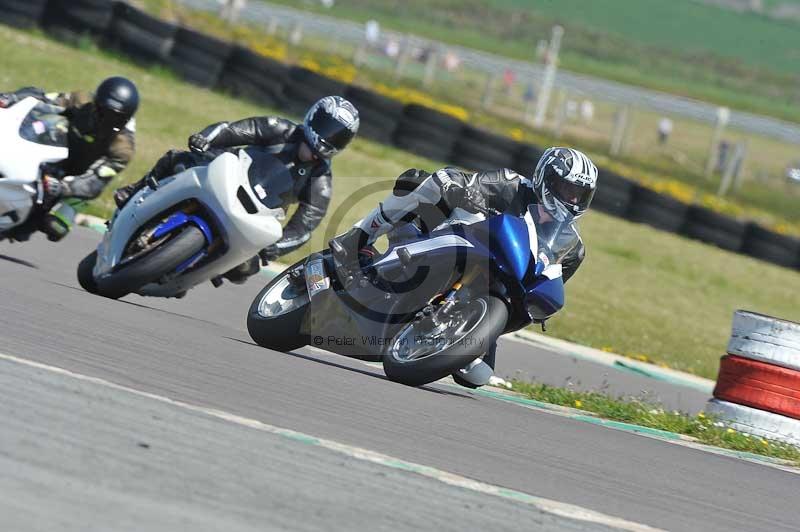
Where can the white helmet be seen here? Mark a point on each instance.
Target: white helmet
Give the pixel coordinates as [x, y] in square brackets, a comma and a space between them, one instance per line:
[565, 181]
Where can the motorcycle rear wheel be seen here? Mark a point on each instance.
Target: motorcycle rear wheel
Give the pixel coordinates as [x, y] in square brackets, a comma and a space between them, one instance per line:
[276, 314]
[407, 361]
[154, 265]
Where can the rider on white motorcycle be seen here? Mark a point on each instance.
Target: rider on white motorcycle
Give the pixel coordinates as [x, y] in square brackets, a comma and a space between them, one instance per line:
[306, 149]
[562, 187]
[101, 144]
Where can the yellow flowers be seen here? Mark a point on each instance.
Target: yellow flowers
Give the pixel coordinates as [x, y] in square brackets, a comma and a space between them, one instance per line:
[578, 403]
[407, 95]
[516, 134]
[764, 442]
[701, 415]
[730, 431]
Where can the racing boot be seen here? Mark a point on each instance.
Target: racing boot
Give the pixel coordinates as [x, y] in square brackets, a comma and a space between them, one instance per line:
[479, 372]
[241, 273]
[123, 194]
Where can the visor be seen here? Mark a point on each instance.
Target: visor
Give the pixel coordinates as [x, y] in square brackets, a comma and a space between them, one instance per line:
[569, 193]
[333, 135]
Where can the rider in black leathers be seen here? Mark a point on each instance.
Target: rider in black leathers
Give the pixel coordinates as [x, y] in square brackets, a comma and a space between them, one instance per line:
[306, 149]
[101, 144]
[562, 187]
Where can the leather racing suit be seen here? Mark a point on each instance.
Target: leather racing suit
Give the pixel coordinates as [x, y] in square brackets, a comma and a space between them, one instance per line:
[426, 200]
[311, 188]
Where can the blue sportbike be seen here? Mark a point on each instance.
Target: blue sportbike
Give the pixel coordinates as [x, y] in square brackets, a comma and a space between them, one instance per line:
[429, 305]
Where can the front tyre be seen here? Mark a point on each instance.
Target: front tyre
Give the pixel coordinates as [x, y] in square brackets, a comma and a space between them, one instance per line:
[151, 267]
[85, 272]
[276, 314]
[419, 353]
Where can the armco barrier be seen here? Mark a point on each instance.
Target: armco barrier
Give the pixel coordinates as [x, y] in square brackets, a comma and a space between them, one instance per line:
[758, 388]
[209, 62]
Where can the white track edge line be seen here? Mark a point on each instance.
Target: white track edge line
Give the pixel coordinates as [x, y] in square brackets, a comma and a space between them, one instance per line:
[552, 507]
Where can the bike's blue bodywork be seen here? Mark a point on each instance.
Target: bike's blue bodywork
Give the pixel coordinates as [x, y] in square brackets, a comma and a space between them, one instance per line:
[504, 245]
[178, 220]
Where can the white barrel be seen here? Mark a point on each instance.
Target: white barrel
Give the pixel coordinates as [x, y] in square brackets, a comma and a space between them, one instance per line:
[767, 339]
[756, 422]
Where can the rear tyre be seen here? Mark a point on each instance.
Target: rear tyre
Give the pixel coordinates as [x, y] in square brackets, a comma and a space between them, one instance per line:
[407, 361]
[154, 265]
[276, 314]
[85, 275]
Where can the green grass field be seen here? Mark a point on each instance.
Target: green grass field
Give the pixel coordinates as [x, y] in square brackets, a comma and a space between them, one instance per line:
[640, 291]
[742, 60]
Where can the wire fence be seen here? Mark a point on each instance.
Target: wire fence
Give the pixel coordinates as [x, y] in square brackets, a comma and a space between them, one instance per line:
[297, 23]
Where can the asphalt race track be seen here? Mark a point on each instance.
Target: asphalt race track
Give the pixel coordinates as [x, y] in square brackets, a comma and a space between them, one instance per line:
[181, 448]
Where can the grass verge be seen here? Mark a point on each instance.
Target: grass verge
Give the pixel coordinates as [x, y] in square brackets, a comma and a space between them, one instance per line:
[705, 429]
[640, 292]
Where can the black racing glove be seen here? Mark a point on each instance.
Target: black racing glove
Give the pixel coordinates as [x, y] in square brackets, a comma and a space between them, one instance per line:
[269, 253]
[199, 143]
[8, 99]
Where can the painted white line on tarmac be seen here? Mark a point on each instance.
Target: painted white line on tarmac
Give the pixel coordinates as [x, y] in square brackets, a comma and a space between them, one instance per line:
[548, 506]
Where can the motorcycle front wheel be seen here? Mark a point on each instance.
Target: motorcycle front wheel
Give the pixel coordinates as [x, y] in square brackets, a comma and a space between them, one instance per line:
[420, 354]
[277, 312]
[153, 265]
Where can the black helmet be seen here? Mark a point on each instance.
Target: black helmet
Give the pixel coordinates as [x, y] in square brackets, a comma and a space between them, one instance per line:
[330, 124]
[565, 181]
[115, 101]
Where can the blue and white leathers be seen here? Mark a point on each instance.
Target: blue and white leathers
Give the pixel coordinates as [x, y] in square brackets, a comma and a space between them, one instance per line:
[233, 219]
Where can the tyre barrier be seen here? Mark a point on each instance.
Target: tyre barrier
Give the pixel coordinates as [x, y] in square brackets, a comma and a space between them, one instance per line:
[74, 18]
[658, 210]
[714, 228]
[379, 115]
[473, 155]
[141, 36]
[304, 87]
[771, 247]
[526, 157]
[758, 387]
[199, 58]
[614, 194]
[254, 77]
[209, 62]
[22, 13]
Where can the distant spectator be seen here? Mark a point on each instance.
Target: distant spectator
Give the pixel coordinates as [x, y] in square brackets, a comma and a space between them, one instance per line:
[451, 61]
[664, 130]
[230, 9]
[723, 152]
[372, 32]
[392, 48]
[571, 109]
[509, 77]
[793, 172]
[587, 111]
[327, 3]
[530, 93]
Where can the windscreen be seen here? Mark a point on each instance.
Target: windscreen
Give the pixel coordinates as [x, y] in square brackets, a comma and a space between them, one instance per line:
[44, 126]
[556, 238]
[269, 177]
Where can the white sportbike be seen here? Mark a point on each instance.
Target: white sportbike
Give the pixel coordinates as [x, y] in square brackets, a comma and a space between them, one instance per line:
[32, 134]
[189, 228]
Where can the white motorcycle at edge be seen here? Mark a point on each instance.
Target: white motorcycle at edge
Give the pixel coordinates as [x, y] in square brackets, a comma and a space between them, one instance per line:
[189, 228]
[32, 134]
